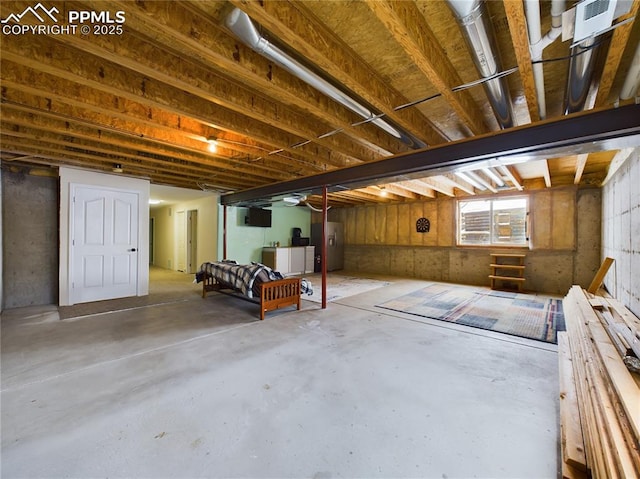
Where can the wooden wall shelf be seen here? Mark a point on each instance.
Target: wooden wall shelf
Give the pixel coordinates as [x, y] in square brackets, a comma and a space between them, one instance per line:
[507, 269]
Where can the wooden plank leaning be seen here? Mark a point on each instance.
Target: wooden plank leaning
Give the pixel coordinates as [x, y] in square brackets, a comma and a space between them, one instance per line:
[579, 353]
[573, 449]
[599, 277]
[616, 392]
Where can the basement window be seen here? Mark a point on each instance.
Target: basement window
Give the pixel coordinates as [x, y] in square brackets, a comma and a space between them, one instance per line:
[495, 222]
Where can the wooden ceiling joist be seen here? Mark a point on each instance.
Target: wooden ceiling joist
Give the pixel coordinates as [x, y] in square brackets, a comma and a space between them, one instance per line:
[437, 183]
[153, 96]
[89, 132]
[547, 173]
[63, 157]
[100, 151]
[294, 24]
[44, 85]
[520, 39]
[458, 183]
[110, 78]
[594, 130]
[397, 189]
[171, 25]
[179, 136]
[511, 173]
[410, 29]
[614, 55]
[418, 187]
[581, 162]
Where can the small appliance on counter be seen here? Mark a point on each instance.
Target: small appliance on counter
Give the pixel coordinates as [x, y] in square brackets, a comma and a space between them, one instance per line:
[297, 239]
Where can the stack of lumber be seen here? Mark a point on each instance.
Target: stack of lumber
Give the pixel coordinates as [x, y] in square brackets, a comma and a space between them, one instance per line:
[599, 388]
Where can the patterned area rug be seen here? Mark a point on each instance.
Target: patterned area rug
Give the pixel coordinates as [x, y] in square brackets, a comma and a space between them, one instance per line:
[525, 315]
[339, 286]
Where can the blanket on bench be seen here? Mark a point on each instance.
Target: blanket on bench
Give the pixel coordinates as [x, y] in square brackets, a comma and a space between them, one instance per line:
[239, 277]
[244, 278]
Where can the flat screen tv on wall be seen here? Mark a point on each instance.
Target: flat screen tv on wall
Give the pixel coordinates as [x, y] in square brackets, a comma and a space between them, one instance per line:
[258, 217]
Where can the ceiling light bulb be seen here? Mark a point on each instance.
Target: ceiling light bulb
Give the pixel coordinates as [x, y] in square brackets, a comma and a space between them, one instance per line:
[383, 191]
[213, 144]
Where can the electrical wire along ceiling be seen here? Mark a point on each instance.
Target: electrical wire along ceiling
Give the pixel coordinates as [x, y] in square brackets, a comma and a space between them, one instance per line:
[235, 96]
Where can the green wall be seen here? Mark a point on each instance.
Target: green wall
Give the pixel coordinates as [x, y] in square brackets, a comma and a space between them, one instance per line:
[245, 243]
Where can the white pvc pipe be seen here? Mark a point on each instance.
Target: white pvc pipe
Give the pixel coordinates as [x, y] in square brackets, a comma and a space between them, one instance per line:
[532, 12]
[532, 9]
[557, 9]
[538, 43]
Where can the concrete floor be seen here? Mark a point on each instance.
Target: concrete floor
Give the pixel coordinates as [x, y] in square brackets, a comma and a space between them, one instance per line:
[200, 388]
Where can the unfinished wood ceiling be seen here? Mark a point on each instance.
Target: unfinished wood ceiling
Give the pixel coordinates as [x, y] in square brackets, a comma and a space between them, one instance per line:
[147, 84]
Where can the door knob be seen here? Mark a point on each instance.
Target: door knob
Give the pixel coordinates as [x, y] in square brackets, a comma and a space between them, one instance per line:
[132, 250]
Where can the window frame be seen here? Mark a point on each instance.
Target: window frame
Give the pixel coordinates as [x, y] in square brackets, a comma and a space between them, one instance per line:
[491, 243]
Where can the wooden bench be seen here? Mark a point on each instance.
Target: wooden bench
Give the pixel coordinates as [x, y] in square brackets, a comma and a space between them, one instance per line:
[273, 294]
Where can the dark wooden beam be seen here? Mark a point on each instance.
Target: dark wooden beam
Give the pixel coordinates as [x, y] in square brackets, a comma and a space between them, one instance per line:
[595, 130]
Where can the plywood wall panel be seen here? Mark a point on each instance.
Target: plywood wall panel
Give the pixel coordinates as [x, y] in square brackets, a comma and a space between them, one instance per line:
[563, 219]
[360, 225]
[391, 212]
[445, 226]
[588, 235]
[430, 211]
[371, 233]
[404, 231]
[417, 211]
[348, 219]
[552, 267]
[541, 220]
[381, 224]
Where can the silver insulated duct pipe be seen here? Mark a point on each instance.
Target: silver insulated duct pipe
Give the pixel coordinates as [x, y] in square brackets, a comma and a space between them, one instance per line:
[473, 18]
[243, 28]
[581, 66]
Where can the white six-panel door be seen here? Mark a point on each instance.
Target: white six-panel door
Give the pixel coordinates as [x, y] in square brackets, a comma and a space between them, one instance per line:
[104, 243]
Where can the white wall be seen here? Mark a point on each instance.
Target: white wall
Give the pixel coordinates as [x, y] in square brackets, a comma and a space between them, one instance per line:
[621, 232]
[1, 248]
[166, 228]
[163, 243]
[69, 176]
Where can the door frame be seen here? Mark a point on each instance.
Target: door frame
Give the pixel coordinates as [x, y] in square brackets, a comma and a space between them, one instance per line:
[192, 241]
[180, 236]
[70, 177]
[152, 239]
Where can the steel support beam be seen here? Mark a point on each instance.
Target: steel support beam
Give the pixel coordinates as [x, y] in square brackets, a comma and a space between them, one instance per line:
[584, 132]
